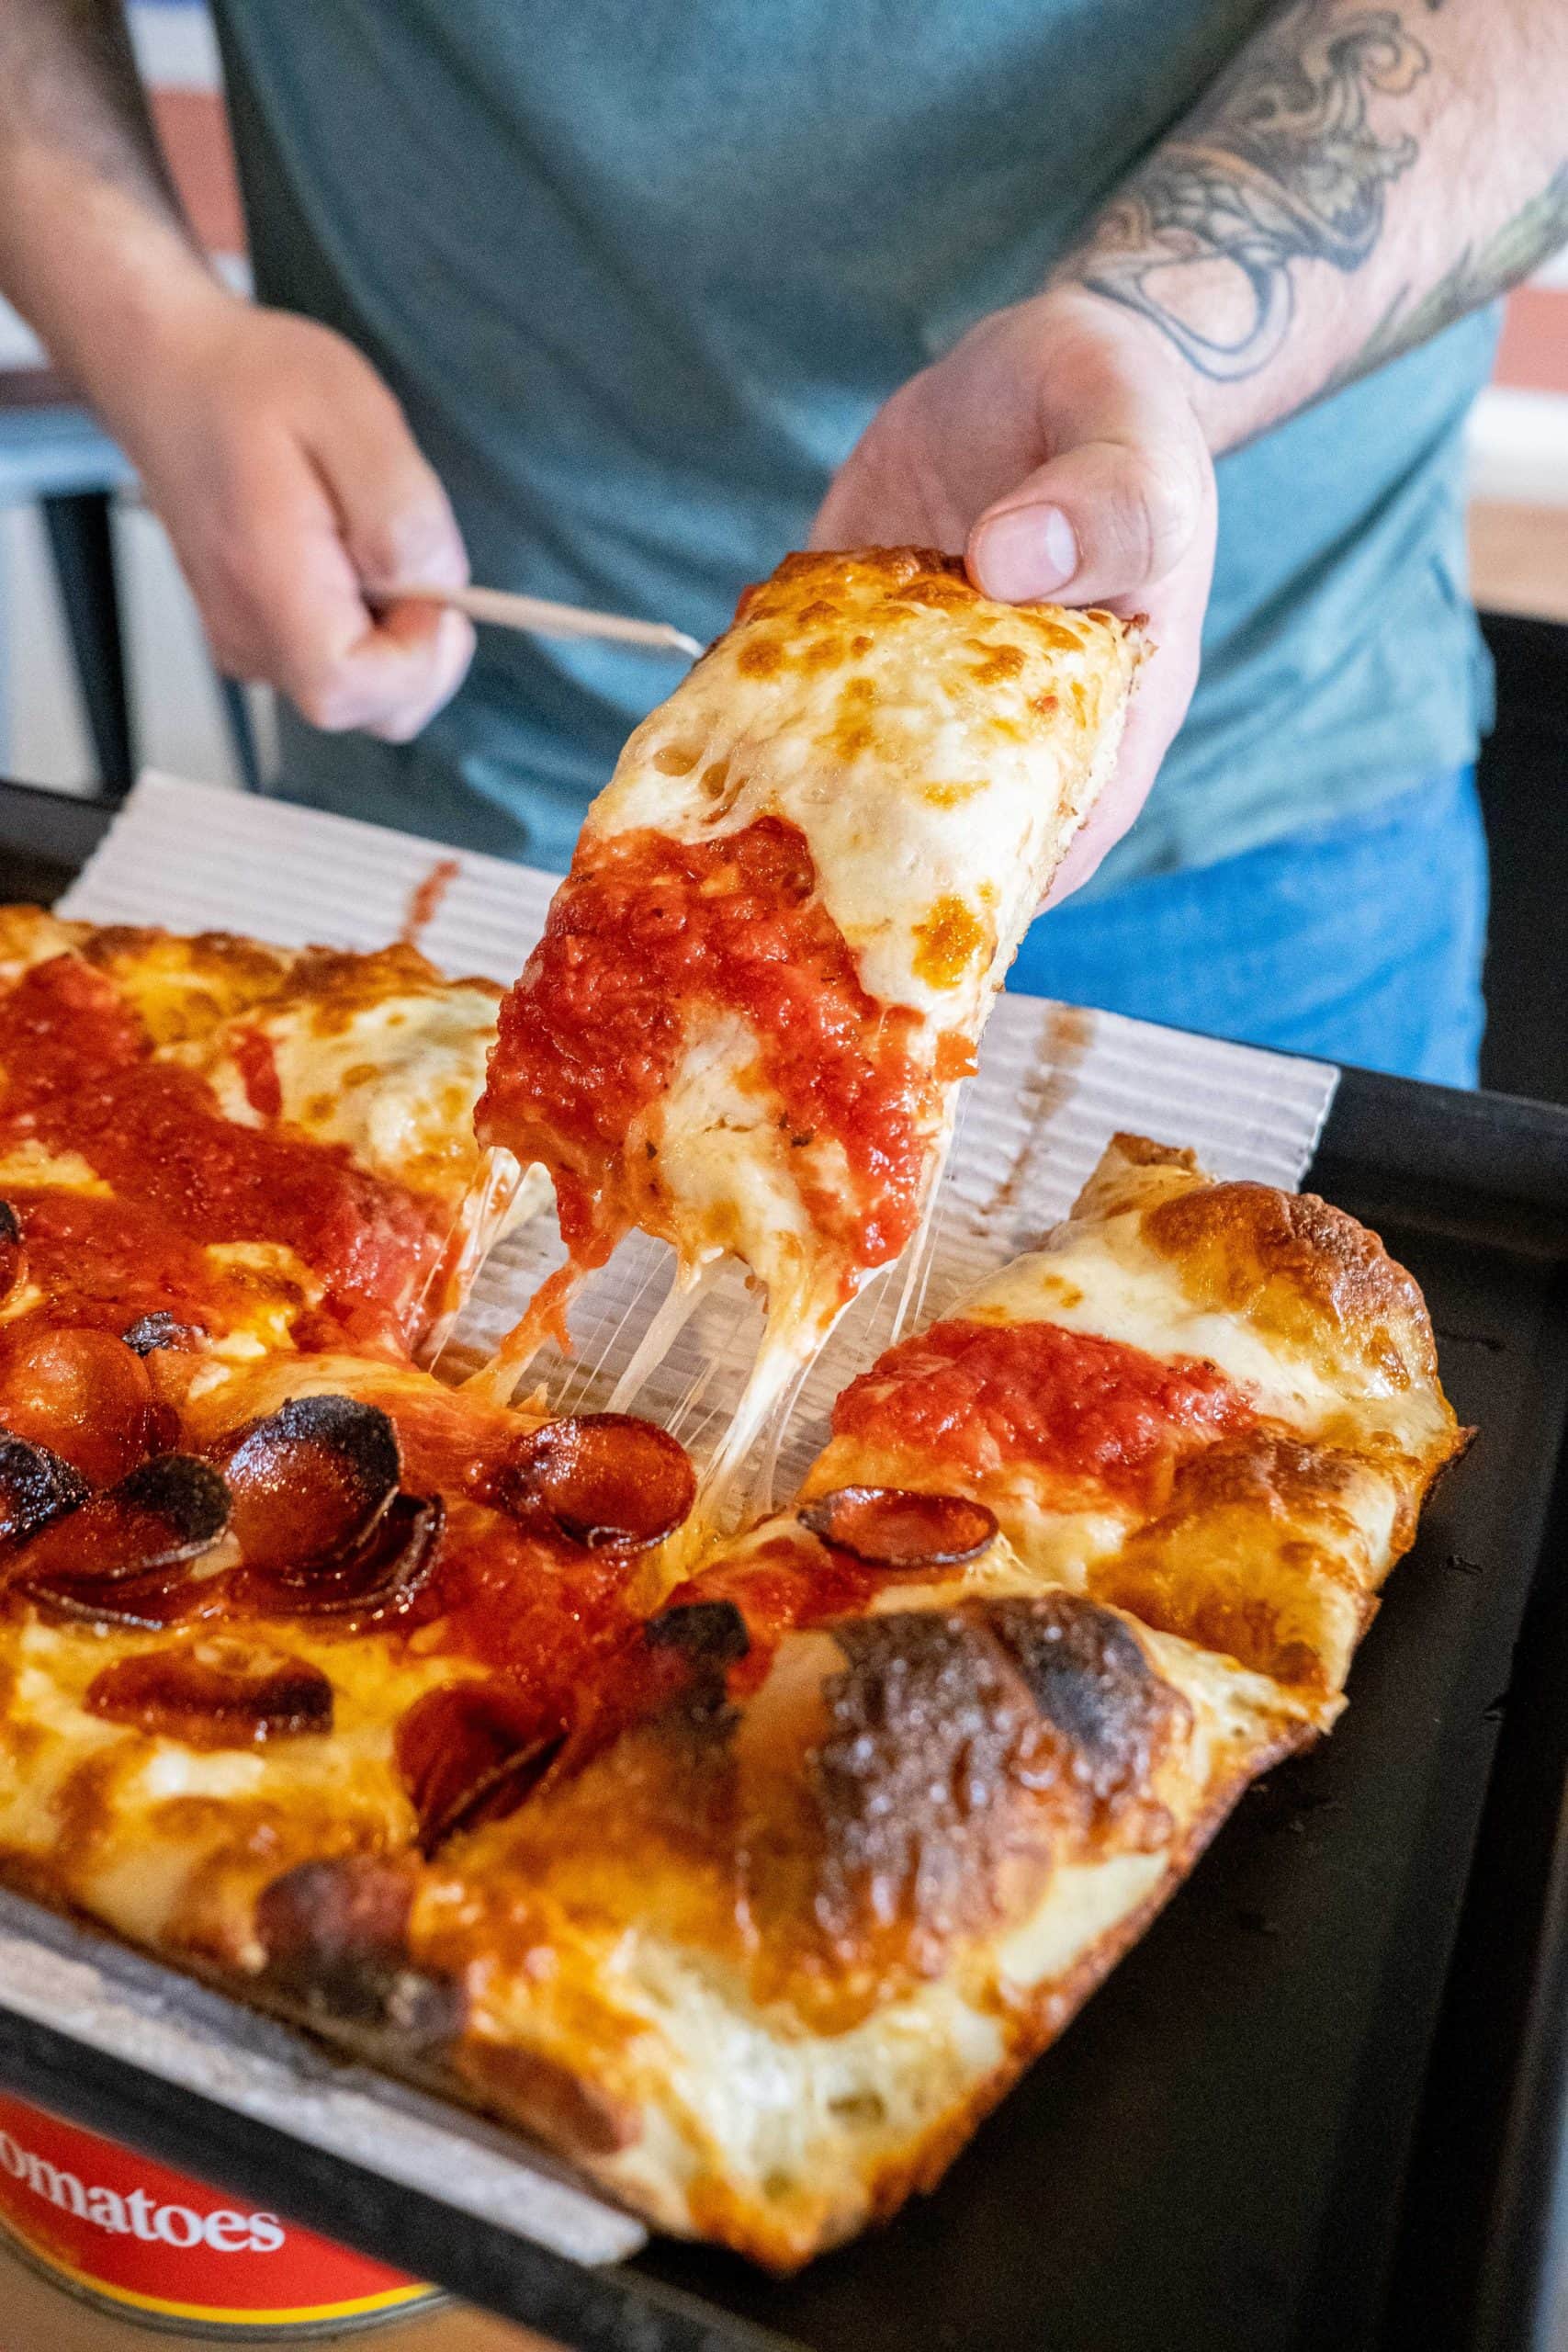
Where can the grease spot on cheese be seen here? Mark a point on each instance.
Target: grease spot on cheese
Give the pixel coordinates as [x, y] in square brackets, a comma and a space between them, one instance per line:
[675, 759]
[996, 662]
[947, 942]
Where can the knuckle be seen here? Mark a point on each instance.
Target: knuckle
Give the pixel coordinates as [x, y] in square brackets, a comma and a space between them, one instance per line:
[323, 702]
[1162, 500]
[379, 551]
[405, 543]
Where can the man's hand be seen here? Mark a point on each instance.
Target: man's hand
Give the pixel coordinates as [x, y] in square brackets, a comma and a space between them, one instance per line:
[281, 464]
[293, 491]
[1056, 448]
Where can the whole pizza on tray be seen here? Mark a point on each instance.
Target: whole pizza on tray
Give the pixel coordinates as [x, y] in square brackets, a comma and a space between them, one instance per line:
[745, 1872]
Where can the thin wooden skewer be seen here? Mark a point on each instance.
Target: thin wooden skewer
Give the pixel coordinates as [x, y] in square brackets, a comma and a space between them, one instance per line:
[543, 618]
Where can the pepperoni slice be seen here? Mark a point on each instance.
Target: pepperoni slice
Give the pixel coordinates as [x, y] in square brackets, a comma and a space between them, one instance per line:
[144, 1605]
[13, 1255]
[472, 1753]
[311, 1482]
[608, 1481]
[215, 1694]
[83, 1392]
[121, 1557]
[893, 1527]
[380, 1577]
[36, 1486]
[162, 1514]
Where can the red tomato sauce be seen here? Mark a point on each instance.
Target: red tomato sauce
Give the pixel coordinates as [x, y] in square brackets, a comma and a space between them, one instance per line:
[109, 1263]
[644, 931]
[544, 1616]
[79, 1077]
[257, 1065]
[974, 1396]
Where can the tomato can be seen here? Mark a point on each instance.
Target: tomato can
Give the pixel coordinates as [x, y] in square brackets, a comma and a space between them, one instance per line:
[161, 2250]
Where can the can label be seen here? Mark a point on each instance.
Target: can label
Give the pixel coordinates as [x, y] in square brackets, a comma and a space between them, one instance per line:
[119, 2227]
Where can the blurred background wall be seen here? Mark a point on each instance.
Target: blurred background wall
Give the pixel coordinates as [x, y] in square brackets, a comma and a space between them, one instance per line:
[1520, 533]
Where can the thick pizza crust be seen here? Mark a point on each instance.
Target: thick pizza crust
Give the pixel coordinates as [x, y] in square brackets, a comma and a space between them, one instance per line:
[1274, 1541]
[785, 1981]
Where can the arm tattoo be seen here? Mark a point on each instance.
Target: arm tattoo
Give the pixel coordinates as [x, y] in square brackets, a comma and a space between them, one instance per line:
[1279, 164]
[1481, 273]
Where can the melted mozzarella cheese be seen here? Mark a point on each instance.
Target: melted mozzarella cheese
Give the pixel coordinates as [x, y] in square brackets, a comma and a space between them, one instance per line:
[937, 750]
[157, 1814]
[395, 1080]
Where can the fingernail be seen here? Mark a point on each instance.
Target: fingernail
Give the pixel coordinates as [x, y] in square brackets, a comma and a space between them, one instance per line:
[1027, 552]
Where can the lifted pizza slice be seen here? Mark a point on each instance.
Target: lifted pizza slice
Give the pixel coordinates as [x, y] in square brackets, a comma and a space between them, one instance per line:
[786, 921]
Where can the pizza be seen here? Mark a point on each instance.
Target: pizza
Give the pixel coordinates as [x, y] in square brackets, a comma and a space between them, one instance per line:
[787, 915]
[275, 1146]
[746, 1884]
[1216, 1406]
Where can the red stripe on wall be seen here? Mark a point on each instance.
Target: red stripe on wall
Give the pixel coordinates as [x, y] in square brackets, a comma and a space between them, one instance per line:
[1534, 352]
[194, 133]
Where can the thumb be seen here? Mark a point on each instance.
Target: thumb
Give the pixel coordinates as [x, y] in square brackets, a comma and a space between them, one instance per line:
[1099, 522]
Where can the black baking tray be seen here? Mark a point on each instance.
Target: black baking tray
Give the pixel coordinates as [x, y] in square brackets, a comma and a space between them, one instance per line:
[1320, 2105]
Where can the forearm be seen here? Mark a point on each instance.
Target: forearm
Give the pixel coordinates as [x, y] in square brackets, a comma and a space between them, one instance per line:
[1357, 179]
[94, 249]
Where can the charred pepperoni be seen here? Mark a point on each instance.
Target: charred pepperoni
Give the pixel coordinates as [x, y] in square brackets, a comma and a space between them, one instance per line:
[310, 1481]
[215, 1694]
[380, 1578]
[472, 1753]
[122, 1557]
[608, 1481]
[893, 1527]
[36, 1486]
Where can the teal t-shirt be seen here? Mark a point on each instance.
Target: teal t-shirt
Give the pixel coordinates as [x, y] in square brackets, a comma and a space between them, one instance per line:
[641, 270]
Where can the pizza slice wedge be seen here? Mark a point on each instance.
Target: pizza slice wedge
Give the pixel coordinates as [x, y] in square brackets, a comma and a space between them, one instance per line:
[766, 972]
[272, 1146]
[341, 1614]
[858, 1852]
[1214, 1405]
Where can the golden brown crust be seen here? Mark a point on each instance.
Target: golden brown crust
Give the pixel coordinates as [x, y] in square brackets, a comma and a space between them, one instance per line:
[1301, 1272]
[1263, 1555]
